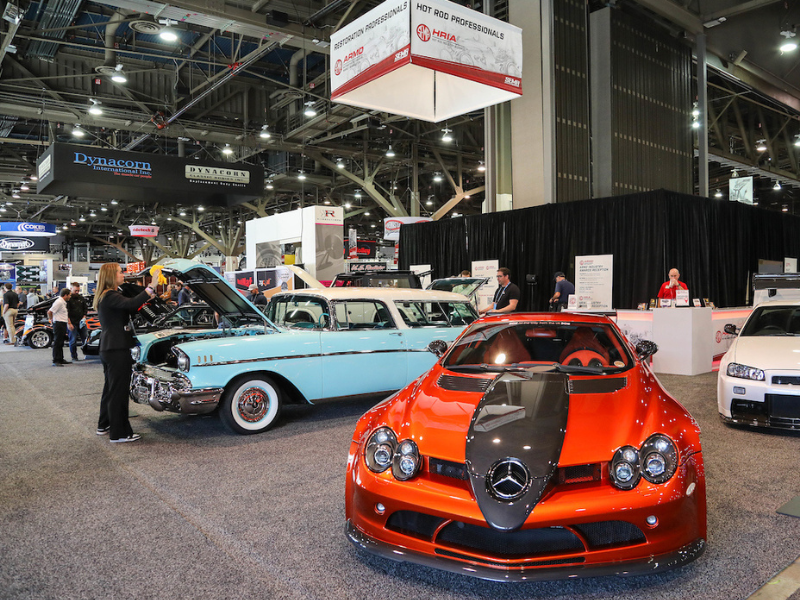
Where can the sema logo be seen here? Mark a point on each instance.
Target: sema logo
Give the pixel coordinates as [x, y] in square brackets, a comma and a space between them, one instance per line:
[401, 55]
[423, 33]
[338, 68]
[512, 81]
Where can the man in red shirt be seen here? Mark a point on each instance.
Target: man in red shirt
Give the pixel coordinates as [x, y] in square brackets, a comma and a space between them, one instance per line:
[668, 288]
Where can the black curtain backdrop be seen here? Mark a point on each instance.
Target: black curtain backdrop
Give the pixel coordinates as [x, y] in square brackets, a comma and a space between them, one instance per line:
[715, 244]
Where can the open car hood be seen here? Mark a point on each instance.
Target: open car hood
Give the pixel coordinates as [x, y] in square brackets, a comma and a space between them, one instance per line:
[212, 289]
[466, 286]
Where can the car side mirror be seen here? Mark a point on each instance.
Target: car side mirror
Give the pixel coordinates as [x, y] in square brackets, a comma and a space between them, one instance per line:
[438, 347]
[645, 349]
[730, 328]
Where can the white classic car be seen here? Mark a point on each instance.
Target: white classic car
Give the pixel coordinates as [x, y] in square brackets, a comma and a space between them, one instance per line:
[313, 344]
[759, 376]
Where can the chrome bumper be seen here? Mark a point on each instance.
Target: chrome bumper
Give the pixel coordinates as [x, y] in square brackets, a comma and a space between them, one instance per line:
[652, 564]
[173, 394]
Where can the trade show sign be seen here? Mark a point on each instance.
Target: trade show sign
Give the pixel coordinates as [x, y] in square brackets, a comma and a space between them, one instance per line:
[391, 225]
[25, 229]
[24, 244]
[594, 282]
[426, 59]
[143, 230]
[94, 172]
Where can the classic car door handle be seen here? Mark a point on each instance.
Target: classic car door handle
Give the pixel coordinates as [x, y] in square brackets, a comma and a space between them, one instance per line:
[396, 333]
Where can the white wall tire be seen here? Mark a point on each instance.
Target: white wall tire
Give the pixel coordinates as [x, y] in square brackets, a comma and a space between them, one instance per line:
[251, 405]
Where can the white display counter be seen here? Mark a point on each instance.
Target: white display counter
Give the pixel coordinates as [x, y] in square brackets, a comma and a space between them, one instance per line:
[689, 339]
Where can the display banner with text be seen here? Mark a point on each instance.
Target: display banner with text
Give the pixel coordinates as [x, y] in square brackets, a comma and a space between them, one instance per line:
[426, 59]
[594, 282]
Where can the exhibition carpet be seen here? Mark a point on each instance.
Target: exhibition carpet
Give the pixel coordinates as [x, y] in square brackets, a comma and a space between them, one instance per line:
[194, 511]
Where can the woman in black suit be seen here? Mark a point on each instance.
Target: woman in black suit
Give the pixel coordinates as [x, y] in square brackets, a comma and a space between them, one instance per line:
[114, 311]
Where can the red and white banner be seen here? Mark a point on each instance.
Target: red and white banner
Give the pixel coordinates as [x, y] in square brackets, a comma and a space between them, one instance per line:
[426, 59]
[143, 230]
[391, 225]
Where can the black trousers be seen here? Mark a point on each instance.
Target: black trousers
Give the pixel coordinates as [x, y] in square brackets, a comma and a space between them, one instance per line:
[59, 337]
[117, 365]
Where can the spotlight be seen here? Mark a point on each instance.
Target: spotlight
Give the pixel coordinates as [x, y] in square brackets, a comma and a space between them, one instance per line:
[788, 44]
[347, 205]
[761, 145]
[15, 195]
[481, 166]
[390, 152]
[94, 108]
[264, 135]
[92, 214]
[797, 140]
[446, 137]
[695, 110]
[114, 202]
[309, 111]
[182, 213]
[301, 176]
[77, 131]
[695, 124]
[119, 75]
[24, 187]
[104, 208]
[358, 194]
[82, 219]
[227, 150]
[777, 186]
[438, 177]
[718, 194]
[270, 186]
[168, 34]
[201, 208]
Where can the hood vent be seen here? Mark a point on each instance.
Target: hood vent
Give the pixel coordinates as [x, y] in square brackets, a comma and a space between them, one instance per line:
[597, 386]
[454, 383]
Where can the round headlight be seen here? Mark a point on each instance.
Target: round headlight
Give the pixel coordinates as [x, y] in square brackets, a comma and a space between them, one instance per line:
[136, 352]
[406, 461]
[380, 450]
[183, 361]
[624, 468]
[660, 458]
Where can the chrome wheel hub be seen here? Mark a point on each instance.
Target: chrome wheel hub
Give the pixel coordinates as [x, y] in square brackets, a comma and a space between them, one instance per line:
[253, 404]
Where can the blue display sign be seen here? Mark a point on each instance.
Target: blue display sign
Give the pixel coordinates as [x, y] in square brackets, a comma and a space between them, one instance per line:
[18, 228]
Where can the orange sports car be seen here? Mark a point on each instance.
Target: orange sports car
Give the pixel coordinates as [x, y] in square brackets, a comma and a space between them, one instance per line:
[539, 446]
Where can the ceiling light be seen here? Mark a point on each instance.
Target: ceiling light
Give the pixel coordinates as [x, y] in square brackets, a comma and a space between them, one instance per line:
[366, 214]
[119, 75]
[390, 152]
[438, 177]
[797, 140]
[92, 214]
[347, 205]
[77, 131]
[788, 44]
[227, 149]
[270, 186]
[182, 213]
[201, 208]
[695, 110]
[718, 194]
[761, 145]
[339, 164]
[327, 202]
[104, 208]
[82, 219]
[94, 108]
[301, 176]
[358, 194]
[777, 186]
[73, 223]
[481, 166]
[309, 111]
[169, 218]
[372, 225]
[153, 222]
[167, 34]
[15, 195]
[264, 135]
[64, 227]
[446, 137]
[24, 187]
[34, 178]
[785, 209]
[114, 202]
[695, 124]
[429, 202]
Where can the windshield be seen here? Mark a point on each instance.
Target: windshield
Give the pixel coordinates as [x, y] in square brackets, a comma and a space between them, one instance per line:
[773, 320]
[436, 314]
[594, 345]
[460, 285]
[299, 312]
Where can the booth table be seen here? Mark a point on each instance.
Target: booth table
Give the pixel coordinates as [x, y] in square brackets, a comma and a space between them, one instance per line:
[689, 339]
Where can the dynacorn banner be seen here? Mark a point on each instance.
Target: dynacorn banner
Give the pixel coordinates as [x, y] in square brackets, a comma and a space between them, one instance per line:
[24, 244]
[429, 60]
[93, 172]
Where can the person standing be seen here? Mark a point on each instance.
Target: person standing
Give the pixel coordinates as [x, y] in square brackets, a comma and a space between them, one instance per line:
[33, 299]
[23, 299]
[77, 307]
[114, 311]
[564, 288]
[175, 292]
[668, 288]
[59, 318]
[506, 297]
[257, 298]
[185, 296]
[10, 309]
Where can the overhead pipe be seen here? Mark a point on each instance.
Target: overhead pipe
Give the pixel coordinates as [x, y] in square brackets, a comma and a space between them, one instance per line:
[111, 38]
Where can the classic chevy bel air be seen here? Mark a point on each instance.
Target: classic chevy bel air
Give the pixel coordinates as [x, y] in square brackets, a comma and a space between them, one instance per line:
[312, 345]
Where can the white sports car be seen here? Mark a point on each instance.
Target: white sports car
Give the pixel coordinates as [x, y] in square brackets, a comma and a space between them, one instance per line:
[759, 376]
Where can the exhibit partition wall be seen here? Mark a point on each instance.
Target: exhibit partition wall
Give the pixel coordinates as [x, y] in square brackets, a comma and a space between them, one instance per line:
[715, 244]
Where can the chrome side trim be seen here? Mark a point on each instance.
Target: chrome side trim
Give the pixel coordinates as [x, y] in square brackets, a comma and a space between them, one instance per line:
[291, 356]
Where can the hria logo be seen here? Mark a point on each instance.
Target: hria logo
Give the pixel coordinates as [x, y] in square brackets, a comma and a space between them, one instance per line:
[425, 34]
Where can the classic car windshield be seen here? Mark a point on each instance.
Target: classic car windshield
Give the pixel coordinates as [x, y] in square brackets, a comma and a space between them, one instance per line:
[543, 343]
[299, 311]
[438, 314]
[460, 285]
[362, 314]
[773, 320]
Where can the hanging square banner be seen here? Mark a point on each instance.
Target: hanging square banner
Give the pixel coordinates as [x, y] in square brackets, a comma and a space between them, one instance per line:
[429, 60]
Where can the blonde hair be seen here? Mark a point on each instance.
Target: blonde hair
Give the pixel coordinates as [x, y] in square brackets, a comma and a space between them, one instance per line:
[106, 281]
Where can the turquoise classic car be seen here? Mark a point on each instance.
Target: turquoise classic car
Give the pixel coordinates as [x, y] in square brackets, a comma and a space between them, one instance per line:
[312, 345]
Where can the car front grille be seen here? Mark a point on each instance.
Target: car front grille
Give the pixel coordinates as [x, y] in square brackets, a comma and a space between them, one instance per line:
[452, 538]
[446, 468]
[786, 380]
[579, 474]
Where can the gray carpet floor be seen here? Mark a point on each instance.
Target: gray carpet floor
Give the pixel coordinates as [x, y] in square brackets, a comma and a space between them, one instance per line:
[193, 511]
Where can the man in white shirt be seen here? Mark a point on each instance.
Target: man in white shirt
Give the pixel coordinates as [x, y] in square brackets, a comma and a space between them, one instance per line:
[59, 317]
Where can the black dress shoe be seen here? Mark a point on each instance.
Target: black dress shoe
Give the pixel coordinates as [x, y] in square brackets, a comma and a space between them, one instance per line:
[57, 365]
[65, 362]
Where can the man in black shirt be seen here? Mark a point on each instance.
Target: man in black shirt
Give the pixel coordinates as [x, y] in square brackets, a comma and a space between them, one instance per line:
[77, 307]
[257, 298]
[506, 297]
[10, 305]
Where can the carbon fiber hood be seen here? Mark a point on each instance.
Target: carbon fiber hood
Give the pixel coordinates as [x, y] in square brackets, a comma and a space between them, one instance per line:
[514, 443]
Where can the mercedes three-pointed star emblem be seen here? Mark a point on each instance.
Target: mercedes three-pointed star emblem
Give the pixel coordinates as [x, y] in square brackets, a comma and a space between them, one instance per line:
[508, 479]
